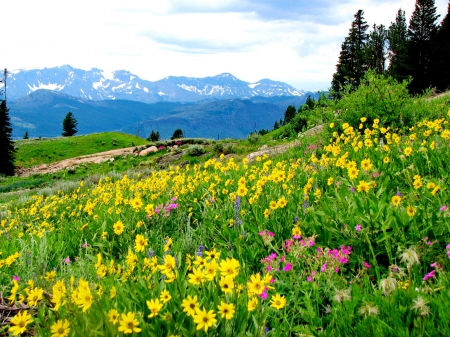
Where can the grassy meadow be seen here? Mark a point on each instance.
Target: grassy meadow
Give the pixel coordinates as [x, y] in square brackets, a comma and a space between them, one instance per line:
[38, 151]
[344, 234]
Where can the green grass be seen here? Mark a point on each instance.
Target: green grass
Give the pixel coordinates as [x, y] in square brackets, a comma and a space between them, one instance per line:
[37, 151]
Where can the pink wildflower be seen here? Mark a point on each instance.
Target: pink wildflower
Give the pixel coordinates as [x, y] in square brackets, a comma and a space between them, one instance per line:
[435, 265]
[429, 275]
[287, 267]
[264, 295]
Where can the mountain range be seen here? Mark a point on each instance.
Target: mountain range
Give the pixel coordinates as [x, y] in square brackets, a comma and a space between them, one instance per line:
[96, 85]
[219, 106]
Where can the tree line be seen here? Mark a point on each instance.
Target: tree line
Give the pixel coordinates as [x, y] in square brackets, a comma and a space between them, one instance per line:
[418, 52]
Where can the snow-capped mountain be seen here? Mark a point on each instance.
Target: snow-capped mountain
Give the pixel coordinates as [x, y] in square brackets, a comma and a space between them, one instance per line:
[96, 85]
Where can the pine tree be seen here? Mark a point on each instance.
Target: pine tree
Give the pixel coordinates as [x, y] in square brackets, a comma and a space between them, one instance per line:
[289, 113]
[352, 65]
[69, 125]
[7, 150]
[178, 133]
[422, 28]
[276, 125]
[154, 136]
[310, 102]
[25, 136]
[376, 49]
[398, 48]
[440, 60]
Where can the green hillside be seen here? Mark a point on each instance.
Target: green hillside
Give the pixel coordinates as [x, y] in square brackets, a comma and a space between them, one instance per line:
[38, 151]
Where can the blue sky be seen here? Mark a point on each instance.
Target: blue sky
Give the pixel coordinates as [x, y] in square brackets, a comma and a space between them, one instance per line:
[297, 42]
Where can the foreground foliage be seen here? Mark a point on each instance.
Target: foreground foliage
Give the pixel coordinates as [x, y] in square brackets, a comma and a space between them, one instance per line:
[350, 237]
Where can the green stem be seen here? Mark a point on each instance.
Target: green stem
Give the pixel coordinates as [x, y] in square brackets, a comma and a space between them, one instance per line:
[374, 261]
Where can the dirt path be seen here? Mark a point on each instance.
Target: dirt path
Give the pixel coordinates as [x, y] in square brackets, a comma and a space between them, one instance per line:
[101, 157]
[95, 158]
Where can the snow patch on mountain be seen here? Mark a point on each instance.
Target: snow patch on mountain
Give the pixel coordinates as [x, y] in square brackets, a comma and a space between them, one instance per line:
[107, 75]
[189, 88]
[48, 86]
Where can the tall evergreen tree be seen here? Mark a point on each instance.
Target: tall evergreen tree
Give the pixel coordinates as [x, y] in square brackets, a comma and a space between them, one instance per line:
[351, 65]
[154, 136]
[440, 59]
[310, 102]
[289, 113]
[421, 30]
[376, 49]
[398, 48]
[7, 150]
[69, 125]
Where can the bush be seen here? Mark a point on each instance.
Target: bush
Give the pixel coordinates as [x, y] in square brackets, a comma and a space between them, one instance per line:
[218, 148]
[254, 138]
[229, 149]
[381, 97]
[286, 132]
[195, 150]
[299, 123]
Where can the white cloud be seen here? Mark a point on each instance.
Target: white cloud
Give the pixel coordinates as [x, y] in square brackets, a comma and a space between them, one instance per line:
[293, 41]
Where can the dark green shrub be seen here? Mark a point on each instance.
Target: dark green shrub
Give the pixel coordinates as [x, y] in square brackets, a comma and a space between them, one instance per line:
[218, 148]
[299, 123]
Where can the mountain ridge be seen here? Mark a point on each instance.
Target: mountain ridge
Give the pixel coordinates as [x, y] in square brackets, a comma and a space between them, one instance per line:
[41, 114]
[97, 85]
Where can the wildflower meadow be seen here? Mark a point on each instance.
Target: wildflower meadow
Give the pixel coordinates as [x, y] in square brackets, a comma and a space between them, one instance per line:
[348, 236]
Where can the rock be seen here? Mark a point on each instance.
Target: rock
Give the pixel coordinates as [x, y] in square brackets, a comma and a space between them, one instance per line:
[148, 150]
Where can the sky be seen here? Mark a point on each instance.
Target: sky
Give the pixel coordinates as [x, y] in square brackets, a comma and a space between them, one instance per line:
[292, 41]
